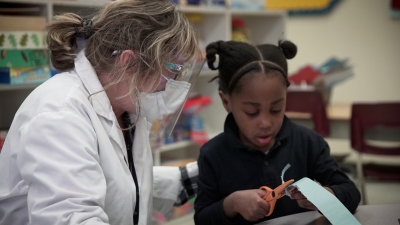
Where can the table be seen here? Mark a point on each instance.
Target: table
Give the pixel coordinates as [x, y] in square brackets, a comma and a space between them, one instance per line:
[334, 111]
[387, 214]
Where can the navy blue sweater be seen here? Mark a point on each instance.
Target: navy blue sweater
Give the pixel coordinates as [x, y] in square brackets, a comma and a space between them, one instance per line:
[227, 165]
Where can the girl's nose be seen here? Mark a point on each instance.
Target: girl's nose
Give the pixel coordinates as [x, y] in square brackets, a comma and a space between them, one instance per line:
[265, 121]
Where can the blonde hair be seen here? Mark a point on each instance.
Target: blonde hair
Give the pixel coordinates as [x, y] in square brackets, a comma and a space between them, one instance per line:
[154, 30]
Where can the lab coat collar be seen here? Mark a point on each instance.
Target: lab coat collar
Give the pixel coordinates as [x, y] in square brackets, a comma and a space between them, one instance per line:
[142, 154]
[98, 98]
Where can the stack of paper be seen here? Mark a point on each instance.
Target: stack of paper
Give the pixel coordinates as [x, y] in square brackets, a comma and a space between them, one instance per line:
[335, 71]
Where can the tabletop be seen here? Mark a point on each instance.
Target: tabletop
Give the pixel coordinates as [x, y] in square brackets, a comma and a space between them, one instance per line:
[334, 111]
[388, 214]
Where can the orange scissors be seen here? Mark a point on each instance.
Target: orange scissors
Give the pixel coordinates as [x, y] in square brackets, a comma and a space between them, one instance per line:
[275, 194]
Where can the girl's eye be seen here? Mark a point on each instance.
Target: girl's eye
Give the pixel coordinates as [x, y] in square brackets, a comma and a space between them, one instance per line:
[276, 111]
[251, 114]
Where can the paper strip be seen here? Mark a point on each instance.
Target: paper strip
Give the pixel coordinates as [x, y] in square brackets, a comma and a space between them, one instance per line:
[283, 172]
[326, 202]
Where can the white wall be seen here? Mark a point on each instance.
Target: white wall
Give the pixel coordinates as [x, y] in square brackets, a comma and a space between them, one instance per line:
[364, 32]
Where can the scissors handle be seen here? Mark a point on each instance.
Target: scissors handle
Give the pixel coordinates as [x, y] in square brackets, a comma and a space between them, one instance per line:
[270, 198]
[274, 194]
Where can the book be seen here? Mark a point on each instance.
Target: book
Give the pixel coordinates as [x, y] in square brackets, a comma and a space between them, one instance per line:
[24, 75]
[306, 75]
[334, 77]
[332, 64]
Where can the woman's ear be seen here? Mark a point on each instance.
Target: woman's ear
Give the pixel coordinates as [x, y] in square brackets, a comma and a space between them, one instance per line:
[225, 101]
[126, 57]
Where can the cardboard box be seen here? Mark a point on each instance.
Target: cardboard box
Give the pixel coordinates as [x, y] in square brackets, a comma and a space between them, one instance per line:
[25, 75]
[23, 40]
[18, 23]
[24, 58]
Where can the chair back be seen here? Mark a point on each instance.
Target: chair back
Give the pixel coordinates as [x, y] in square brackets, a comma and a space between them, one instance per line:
[310, 102]
[367, 116]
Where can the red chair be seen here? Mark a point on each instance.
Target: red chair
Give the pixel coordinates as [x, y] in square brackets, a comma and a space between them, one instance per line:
[311, 102]
[366, 117]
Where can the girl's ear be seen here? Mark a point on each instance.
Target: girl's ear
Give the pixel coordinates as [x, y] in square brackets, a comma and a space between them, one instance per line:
[225, 101]
[126, 57]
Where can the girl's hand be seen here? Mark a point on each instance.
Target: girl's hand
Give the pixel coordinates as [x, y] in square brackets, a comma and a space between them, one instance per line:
[248, 203]
[302, 201]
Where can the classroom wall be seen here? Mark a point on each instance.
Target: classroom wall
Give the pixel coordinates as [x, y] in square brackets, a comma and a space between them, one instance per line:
[360, 30]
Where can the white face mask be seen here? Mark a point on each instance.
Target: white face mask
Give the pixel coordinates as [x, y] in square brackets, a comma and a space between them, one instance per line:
[158, 105]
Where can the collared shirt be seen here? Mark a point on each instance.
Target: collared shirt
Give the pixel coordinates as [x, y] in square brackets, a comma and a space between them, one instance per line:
[227, 165]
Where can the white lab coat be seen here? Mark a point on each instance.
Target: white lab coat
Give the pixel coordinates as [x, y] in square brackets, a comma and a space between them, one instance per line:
[64, 160]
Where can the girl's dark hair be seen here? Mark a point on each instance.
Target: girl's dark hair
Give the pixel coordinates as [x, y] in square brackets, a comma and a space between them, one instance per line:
[239, 58]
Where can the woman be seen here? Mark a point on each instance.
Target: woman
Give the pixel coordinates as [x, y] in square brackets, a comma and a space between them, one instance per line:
[78, 149]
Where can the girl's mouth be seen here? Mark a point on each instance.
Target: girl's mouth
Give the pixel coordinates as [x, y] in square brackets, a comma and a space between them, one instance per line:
[264, 139]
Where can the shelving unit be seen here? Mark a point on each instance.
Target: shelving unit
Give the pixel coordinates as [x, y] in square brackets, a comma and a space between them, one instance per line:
[215, 24]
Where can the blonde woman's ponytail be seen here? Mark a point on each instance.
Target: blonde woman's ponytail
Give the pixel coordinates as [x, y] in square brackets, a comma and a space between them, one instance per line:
[62, 34]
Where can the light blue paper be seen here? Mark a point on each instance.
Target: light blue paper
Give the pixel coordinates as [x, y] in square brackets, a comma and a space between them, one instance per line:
[326, 202]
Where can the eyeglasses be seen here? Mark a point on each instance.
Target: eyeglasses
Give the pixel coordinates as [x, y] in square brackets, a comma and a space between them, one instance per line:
[174, 67]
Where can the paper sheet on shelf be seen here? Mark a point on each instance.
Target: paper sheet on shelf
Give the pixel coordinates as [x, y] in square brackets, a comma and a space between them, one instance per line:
[326, 203]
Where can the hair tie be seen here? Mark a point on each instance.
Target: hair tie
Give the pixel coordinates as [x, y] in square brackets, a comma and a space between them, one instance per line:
[87, 27]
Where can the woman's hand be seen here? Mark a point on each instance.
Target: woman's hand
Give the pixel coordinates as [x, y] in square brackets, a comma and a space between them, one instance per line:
[302, 201]
[248, 203]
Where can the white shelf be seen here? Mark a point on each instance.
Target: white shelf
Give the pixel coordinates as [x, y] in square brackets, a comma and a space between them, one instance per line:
[12, 87]
[176, 149]
[203, 9]
[182, 144]
[175, 146]
[88, 3]
[208, 73]
[240, 12]
[81, 3]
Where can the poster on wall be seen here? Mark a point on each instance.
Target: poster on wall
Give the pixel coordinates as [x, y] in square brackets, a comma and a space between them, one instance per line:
[304, 7]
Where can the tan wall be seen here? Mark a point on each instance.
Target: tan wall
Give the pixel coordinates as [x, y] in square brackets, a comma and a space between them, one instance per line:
[362, 31]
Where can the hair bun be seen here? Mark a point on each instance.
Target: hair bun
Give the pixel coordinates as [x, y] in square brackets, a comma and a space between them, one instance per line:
[211, 52]
[288, 48]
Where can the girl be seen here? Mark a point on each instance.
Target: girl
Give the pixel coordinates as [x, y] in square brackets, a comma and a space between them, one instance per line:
[258, 141]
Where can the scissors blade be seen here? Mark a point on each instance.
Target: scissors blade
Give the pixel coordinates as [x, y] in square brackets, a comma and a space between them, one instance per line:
[280, 190]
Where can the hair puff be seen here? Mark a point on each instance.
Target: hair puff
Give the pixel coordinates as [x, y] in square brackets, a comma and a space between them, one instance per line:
[288, 48]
